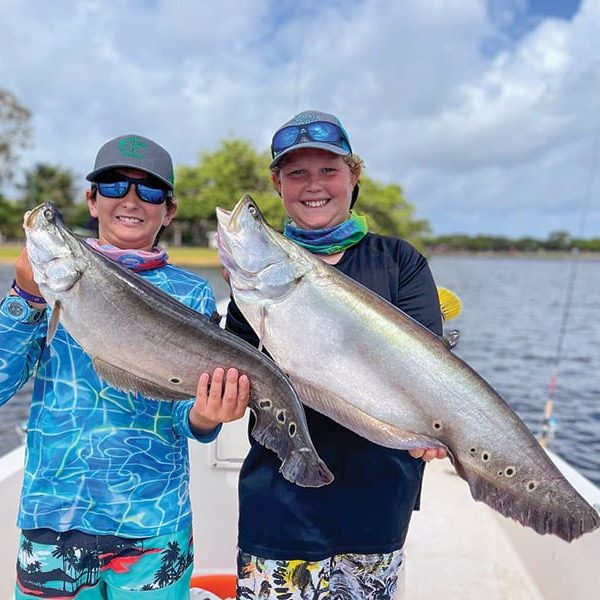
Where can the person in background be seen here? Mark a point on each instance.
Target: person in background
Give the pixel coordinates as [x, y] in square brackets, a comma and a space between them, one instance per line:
[343, 540]
[105, 509]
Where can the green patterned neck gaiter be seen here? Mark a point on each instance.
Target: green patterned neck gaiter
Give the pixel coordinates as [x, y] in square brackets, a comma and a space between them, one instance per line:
[329, 240]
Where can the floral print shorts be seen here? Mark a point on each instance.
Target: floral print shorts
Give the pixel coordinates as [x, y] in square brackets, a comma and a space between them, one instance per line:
[339, 577]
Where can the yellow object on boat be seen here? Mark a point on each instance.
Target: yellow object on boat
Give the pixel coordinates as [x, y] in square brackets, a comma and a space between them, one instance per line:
[449, 303]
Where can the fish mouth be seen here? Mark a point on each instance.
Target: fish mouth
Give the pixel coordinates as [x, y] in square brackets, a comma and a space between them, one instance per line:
[222, 215]
[30, 216]
[231, 219]
[230, 223]
[225, 252]
[48, 212]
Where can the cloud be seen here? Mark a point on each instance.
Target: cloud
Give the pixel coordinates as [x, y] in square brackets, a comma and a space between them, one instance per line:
[485, 116]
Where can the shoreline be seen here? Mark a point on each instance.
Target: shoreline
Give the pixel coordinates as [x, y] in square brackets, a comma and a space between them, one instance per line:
[202, 257]
[184, 256]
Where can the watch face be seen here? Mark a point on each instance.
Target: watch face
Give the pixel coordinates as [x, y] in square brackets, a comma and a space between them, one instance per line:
[15, 308]
[19, 310]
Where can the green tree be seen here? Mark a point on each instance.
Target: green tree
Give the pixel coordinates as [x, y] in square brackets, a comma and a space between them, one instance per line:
[220, 179]
[235, 168]
[11, 220]
[389, 213]
[15, 132]
[558, 240]
[49, 183]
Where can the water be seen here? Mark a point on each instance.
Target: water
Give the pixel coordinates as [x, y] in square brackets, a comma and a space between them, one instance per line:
[510, 324]
[512, 312]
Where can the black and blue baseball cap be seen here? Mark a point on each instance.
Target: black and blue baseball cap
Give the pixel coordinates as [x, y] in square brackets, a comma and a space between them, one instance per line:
[136, 152]
[310, 129]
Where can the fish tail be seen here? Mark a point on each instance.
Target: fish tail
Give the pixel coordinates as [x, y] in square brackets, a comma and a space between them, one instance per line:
[553, 509]
[300, 462]
[306, 469]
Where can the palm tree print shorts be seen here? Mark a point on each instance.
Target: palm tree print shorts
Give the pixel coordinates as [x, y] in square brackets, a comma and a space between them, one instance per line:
[90, 567]
[339, 577]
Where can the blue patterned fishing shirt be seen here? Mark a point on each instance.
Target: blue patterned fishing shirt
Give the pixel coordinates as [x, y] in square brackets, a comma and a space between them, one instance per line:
[100, 460]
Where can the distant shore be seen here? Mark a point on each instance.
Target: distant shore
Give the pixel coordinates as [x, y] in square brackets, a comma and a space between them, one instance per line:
[185, 256]
[194, 256]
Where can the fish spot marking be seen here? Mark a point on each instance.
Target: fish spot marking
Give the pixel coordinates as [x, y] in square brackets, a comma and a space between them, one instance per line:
[472, 450]
[485, 456]
[510, 471]
[437, 425]
[175, 380]
[532, 485]
[292, 429]
[265, 404]
[280, 415]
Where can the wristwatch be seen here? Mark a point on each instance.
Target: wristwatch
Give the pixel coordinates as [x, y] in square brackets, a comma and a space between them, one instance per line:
[20, 310]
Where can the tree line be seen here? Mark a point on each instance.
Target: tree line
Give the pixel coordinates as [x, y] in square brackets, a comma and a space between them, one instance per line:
[557, 241]
[220, 178]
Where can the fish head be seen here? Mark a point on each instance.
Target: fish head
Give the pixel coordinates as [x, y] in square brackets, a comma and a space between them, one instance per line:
[257, 258]
[53, 256]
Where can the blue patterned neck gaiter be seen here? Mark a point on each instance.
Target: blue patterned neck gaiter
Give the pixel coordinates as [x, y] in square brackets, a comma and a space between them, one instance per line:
[329, 240]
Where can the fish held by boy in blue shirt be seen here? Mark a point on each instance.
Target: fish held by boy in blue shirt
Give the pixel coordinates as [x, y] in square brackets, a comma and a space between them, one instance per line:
[142, 339]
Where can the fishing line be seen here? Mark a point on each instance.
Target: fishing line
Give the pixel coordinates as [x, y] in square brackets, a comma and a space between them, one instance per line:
[550, 423]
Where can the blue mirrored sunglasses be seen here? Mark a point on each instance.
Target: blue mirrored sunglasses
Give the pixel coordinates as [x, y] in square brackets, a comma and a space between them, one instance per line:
[119, 188]
[319, 131]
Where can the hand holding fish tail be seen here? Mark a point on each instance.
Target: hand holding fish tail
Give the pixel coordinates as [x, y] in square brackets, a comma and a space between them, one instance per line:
[219, 399]
[428, 454]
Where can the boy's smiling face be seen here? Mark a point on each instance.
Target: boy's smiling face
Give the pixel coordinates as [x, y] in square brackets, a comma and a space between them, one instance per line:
[316, 188]
[129, 222]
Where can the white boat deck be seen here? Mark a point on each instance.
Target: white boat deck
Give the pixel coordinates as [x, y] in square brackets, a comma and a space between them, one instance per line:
[461, 549]
[457, 549]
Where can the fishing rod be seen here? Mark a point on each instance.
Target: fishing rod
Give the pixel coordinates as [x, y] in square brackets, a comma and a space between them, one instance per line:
[550, 423]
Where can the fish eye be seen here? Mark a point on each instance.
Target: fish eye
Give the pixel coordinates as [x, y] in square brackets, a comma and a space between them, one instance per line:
[253, 210]
[49, 214]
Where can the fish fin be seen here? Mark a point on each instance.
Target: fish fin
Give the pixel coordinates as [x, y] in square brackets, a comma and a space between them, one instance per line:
[300, 464]
[358, 421]
[53, 324]
[127, 382]
[536, 504]
[450, 303]
[261, 329]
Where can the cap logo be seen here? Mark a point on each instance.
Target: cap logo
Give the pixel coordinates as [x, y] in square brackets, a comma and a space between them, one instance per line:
[132, 147]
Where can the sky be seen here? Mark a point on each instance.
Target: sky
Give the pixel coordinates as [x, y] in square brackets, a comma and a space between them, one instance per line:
[486, 112]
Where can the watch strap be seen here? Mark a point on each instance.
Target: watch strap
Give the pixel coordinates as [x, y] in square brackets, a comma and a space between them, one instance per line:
[26, 295]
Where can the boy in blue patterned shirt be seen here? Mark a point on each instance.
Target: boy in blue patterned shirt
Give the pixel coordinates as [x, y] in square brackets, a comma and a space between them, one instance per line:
[105, 509]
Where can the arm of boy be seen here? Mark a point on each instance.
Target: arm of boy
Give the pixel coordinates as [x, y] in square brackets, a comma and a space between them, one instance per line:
[20, 345]
[24, 277]
[220, 399]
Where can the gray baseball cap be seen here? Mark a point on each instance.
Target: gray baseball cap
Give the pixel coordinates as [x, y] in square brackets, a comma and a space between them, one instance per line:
[297, 133]
[137, 152]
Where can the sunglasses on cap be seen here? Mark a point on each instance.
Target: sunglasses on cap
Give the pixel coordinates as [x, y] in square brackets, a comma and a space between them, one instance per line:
[118, 187]
[319, 131]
